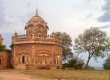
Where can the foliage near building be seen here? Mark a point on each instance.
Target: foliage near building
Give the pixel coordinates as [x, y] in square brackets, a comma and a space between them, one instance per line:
[66, 43]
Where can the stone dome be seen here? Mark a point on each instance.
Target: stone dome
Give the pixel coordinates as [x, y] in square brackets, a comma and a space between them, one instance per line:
[37, 20]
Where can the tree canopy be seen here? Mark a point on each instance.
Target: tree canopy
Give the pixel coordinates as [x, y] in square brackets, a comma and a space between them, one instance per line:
[2, 47]
[92, 41]
[66, 42]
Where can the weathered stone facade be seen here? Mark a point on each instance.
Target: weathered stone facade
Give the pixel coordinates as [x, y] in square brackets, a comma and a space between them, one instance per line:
[36, 49]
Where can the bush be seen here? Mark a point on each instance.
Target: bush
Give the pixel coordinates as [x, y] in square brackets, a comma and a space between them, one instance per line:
[107, 63]
[74, 63]
[2, 47]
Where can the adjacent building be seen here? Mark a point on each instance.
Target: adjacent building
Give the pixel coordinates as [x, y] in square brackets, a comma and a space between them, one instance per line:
[5, 54]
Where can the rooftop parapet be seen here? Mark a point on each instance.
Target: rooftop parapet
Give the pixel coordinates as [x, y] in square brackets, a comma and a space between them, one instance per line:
[24, 39]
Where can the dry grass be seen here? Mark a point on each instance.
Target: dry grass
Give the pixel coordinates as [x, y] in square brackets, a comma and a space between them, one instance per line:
[54, 75]
[68, 74]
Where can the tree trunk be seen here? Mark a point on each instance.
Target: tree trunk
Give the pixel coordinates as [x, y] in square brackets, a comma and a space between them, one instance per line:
[89, 57]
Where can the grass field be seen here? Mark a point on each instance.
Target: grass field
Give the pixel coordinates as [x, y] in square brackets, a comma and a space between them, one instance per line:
[54, 75]
[69, 74]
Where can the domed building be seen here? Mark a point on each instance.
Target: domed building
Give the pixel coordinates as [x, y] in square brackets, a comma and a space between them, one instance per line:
[36, 49]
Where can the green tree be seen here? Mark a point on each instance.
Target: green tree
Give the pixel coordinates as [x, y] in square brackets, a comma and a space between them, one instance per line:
[66, 42]
[94, 42]
[2, 47]
[107, 63]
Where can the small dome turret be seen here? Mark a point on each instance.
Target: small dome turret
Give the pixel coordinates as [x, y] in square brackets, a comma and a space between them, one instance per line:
[37, 26]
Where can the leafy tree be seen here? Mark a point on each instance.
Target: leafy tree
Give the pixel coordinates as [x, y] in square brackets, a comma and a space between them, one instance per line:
[107, 63]
[2, 47]
[66, 42]
[94, 42]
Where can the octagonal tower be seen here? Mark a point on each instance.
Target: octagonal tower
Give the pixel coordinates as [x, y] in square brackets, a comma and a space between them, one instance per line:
[36, 49]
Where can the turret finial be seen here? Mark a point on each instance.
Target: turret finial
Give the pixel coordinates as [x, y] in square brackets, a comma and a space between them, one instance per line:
[37, 13]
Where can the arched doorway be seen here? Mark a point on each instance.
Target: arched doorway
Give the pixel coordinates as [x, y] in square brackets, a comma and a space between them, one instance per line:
[24, 59]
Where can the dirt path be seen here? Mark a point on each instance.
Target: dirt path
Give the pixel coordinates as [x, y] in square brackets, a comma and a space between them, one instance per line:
[10, 75]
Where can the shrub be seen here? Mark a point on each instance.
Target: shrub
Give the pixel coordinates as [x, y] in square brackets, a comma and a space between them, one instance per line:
[74, 63]
[107, 63]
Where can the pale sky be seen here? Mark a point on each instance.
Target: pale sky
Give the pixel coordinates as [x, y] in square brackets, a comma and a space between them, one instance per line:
[71, 16]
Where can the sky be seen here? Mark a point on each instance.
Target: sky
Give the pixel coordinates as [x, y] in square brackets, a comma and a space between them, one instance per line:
[70, 16]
